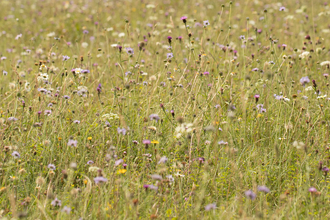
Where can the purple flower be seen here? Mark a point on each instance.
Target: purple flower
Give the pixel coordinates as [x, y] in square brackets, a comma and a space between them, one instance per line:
[210, 206]
[12, 119]
[48, 112]
[152, 187]
[169, 55]
[263, 189]
[154, 117]
[65, 58]
[16, 154]
[66, 97]
[56, 202]
[282, 8]
[222, 143]
[76, 122]
[85, 32]
[51, 166]
[206, 23]
[90, 162]
[118, 162]
[66, 209]
[5, 73]
[121, 131]
[129, 50]
[100, 179]
[206, 73]
[312, 190]
[242, 37]
[304, 80]
[260, 108]
[256, 96]
[250, 194]
[72, 143]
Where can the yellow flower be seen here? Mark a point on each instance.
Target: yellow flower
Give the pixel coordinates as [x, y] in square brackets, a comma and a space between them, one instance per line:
[89, 138]
[121, 171]
[154, 142]
[59, 138]
[85, 182]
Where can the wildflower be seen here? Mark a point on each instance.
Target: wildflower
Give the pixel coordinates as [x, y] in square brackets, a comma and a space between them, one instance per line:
[260, 108]
[250, 194]
[66, 97]
[210, 206]
[51, 166]
[206, 73]
[66, 209]
[90, 162]
[222, 143]
[312, 190]
[242, 37]
[154, 117]
[169, 38]
[5, 73]
[184, 19]
[100, 179]
[206, 23]
[163, 160]
[304, 55]
[121, 131]
[72, 143]
[169, 55]
[325, 170]
[263, 189]
[152, 187]
[154, 142]
[56, 202]
[304, 80]
[156, 177]
[282, 8]
[85, 31]
[256, 96]
[118, 162]
[325, 63]
[89, 138]
[48, 112]
[129, 51]
[146, 143]
[184, 128]
[12, 119]
[76, 122]
[16, 154]
[65, 58]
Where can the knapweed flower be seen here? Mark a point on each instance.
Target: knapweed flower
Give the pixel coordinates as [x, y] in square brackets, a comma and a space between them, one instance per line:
[210, 206]
[5, 73]
[206, 23]
[51, 166]
[169, 38]
[169, 55]
[85, 31]
[72, 143]
[282, 8]
[146, 143]
[184, 19]
[154, 117]
[264, 189]
[129, 51]
[152, 187]
[206, 73]
[242, 37]
[118, 162]
[66, 97]
[312, 190]
[56, 202]
[90, 162]
[76, 122]
[65, 58]
[256, 96]
[260, 108]
[304, 80]
[100, 179]
[222, 142]
[16, 154]
[121, 131]
[250, 194]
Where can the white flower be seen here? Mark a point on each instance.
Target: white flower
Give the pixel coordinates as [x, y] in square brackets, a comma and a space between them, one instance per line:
[321, 96]
[110, 116]
[84, 44]
[304, 55]
[93, 169]
[121, 34]
[52, 34]
[325, 63]
[309, 88]
[42, 77]
[184, 128]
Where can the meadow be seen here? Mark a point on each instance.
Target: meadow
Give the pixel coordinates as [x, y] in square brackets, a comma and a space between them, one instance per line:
[167, 109]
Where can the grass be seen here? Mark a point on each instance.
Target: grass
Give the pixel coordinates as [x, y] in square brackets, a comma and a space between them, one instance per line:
[187, 126]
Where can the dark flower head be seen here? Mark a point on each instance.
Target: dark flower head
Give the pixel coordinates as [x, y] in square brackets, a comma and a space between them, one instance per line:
[169, 38]
[184, 19]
